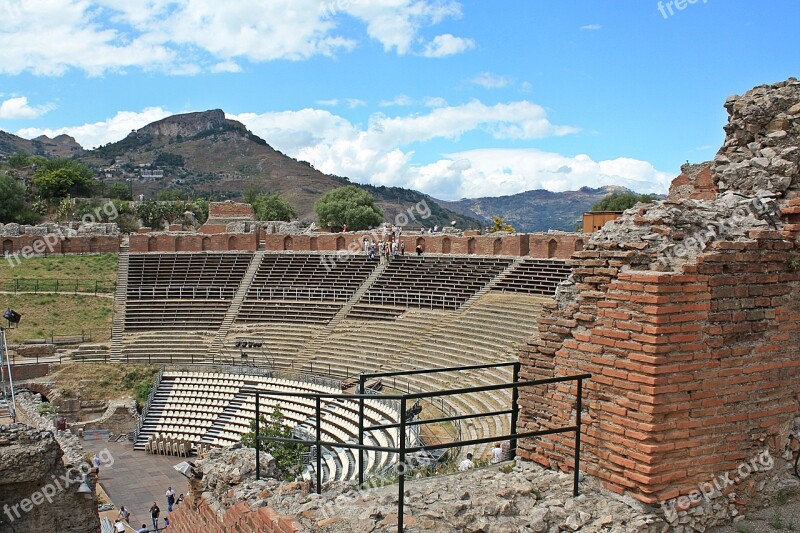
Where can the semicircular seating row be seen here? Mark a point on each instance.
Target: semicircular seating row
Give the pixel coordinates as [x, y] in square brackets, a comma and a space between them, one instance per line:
[211, 410]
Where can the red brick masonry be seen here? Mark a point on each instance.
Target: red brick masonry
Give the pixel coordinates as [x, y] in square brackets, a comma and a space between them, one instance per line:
[693, 372]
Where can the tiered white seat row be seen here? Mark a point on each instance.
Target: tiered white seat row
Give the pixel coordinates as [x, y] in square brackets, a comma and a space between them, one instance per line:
[211, 409]
[535, 276]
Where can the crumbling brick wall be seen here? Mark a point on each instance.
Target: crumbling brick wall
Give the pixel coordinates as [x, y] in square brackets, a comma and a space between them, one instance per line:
[687, 315]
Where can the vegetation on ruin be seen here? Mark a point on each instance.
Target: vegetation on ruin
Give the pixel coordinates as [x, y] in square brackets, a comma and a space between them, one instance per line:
[273, 207]
[288, 456]
[84, 267]
[97, 381]
[59, 315]
[498, 224]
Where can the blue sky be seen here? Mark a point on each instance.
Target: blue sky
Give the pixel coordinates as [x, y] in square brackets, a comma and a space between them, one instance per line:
[456, 99]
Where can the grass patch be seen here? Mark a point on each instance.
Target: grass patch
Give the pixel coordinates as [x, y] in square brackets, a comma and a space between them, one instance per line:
[777, 520]
[105, 381]
[84, 267]
[44, 315]
[781, 498]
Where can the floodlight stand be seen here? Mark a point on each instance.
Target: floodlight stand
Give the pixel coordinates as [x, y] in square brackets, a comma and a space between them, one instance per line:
[8, 389]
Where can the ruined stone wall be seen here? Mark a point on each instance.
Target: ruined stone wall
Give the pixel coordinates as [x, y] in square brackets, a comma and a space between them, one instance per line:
[687, 315]
[193, 242]
[38, 492]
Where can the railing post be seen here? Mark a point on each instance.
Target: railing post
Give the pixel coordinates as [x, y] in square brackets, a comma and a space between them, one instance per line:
[361, 431]
[318, 406]
[512, 445]
[578, 408]
[401, 465]
[257, 443]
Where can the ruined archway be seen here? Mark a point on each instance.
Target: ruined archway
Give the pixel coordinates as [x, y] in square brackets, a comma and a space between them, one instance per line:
[446, 245]
[552, 246]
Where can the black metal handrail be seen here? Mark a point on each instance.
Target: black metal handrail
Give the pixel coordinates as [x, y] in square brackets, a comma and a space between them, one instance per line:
[402, 449]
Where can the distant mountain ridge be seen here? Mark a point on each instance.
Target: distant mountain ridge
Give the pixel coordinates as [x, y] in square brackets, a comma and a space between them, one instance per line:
[59, 146]
[534, 211]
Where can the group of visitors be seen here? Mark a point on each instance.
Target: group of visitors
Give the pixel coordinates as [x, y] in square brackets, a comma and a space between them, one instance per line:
[385, 249]
[498, 454]
[155, 513]
[433, 229]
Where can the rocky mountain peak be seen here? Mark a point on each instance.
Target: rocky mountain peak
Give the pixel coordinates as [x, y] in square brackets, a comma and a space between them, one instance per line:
[190, 124]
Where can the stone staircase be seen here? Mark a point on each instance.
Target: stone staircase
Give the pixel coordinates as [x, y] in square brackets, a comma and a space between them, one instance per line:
[120, 297]
[165, 347]
[94, 353]
[313, 347]
[236, 304]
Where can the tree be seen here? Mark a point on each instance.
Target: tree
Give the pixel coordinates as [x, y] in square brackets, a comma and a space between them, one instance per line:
[251, 192]
[120, 191]
[273, 207]
[56, 178]
[498, 224]
[620, 201]
[170, 194]
[348, 205]
[18, 160]
[288, 456]
[12, 199]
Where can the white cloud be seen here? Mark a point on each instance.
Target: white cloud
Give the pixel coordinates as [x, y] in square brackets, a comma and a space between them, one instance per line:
[102, 132]
[190, 36]
[399, 100]
[592, 27]
[16, 108]
[332, 102]
[489, 80]
[434, 101]
[447, 45]
[353, 103]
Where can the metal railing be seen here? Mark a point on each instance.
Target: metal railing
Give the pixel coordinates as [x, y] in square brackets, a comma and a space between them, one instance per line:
[403, 449]
[59, 286]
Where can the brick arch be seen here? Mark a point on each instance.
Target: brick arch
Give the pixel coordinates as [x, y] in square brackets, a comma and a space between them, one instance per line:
[340, 243]
[8, 246]
[471, 245]
[288, 243]
[152, 244]
[579, 245]
[552, 248]
[421, 243]
[93, 247]
[497, 246]
[233, 243]
[206, 243]
[313, 244]
[446, 245]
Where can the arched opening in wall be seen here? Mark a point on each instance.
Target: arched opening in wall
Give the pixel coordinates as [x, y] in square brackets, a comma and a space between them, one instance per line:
[206, 244]
[93, 248]
[579, 245]
[552, 246]
[312, 244]
[233, 243]
[287, 243]
[247, 227]
[445, 245]
[65, 244]
[497, 246]
[178, 244]
[39, 246]
[152, 244]
[471, 246]
[340, 243]
[421, 243]
[8, 246]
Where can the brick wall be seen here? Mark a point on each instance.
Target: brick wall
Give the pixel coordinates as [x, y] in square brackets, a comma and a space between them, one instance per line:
[693, 372]
[56, 244]
[228, 210]
[193, 242]
[239, 518]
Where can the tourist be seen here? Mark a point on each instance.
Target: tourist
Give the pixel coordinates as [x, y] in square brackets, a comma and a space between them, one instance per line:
[466, 464]
[394, 248]
[419, 249]
[142, 529]
[366, 245]
[170, 499]
[119, 527]
[124, 513]
[96, 463]
[180, 499]
[166, 522]
[154, 513]
[344, 228]
[497, 454]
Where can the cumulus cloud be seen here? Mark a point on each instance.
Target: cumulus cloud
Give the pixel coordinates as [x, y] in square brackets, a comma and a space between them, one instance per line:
[16, 108]
[399, 100]
[489, 80]
[190, 36]
[105, 131]
[592, 27]
[447, 45]
[378, 153]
